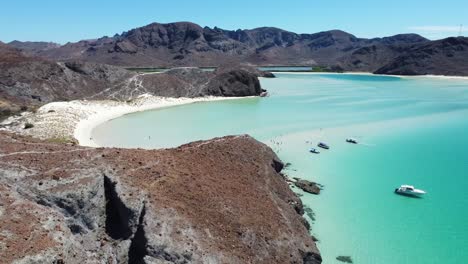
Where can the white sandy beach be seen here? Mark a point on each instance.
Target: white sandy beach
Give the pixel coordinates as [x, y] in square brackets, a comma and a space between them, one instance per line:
[75, 120]
[370, 73]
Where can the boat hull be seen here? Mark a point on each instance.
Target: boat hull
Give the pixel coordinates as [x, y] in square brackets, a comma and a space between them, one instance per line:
[409, 193]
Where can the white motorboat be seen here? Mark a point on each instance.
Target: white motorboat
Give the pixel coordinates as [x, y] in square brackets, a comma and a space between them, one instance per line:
[315, 151]
[409, 190]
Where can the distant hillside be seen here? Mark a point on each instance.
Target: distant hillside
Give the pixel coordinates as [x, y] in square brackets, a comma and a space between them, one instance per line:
[188, 44]
[9, 54]
[33, 48]
[442, 57]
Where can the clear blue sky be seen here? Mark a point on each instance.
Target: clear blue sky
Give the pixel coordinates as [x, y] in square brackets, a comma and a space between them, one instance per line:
[63, 21]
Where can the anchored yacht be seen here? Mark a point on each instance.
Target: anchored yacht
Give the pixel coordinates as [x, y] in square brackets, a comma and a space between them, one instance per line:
[409, 190]
[323, 145]
[312, 150]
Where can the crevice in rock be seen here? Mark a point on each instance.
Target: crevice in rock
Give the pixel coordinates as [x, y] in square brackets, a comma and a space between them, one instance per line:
[311, 257]
[277, 165]
[118, 216]
[138, 246]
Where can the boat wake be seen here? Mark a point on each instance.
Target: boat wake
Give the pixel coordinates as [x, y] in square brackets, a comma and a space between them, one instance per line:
[368, 144]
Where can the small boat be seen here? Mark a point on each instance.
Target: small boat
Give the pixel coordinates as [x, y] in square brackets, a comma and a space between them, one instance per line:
[323, 145]
[409, 190]
[312, 150]
[351, 140]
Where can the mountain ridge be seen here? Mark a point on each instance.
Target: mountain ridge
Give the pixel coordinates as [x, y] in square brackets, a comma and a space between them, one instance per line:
[188, 44]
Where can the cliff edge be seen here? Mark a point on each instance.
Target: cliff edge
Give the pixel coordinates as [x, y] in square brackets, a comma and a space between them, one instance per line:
[216, 201]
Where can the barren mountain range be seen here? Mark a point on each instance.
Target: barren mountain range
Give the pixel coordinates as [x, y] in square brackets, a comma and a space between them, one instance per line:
[188, 44]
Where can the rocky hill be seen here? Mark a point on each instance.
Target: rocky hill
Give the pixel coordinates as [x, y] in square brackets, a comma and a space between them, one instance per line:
[218, 201]
[188, 44]
[10, 54]
[27, 82]
[33, 47]
[443, 57]
[370, 58]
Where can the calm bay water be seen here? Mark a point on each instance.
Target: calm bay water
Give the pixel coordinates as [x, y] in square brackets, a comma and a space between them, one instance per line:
[412, 130]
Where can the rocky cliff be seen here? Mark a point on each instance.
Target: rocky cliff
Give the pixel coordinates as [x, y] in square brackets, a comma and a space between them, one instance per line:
[217, 201]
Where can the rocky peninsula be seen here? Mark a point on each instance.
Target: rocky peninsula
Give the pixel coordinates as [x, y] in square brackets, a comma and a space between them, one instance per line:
[218, 201]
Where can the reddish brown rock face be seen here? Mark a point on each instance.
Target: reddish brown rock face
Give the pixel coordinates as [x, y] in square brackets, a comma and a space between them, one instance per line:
[217, 201]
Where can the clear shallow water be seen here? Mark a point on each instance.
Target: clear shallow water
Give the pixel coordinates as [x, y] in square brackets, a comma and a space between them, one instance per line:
[413, 130]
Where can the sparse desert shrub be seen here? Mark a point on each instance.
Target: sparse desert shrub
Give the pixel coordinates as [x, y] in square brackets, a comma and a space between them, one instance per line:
[28, 125]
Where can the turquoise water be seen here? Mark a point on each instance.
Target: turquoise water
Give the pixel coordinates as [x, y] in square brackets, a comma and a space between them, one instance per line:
[411, 130]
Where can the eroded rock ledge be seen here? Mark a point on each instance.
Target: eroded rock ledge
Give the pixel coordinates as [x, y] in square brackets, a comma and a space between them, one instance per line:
[217, 201]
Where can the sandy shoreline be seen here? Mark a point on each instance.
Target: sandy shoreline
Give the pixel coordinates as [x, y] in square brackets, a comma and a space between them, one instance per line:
[83, 129]
[384, 75]
[75, 120]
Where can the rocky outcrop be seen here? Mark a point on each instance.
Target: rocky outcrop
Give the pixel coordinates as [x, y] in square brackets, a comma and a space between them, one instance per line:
[307, 186]
[345, 259]
[188, 44]
[442, 57]
[234, 83]
[29, 83]
[194, 82]
[217, 201]
[245, 67]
